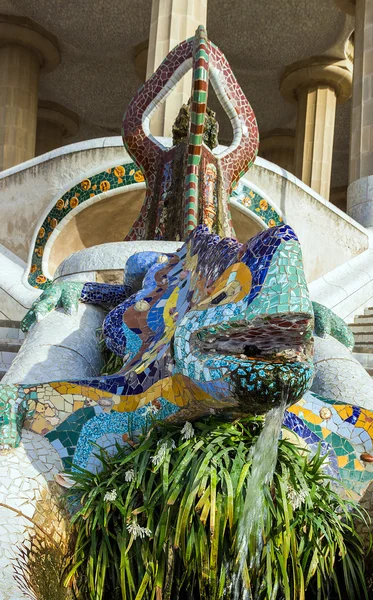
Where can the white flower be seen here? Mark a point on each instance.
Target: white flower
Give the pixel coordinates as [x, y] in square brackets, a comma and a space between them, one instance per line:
[110, 496]
[137, 531]
[187, 431]
[295, 498]
[129, 475]
[150, 409]
[160, 455]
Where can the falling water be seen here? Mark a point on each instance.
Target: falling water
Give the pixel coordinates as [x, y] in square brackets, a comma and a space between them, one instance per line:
[249, 536]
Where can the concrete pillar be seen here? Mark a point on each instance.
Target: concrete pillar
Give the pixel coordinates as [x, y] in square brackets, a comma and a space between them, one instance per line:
[338, 197]
[315, 136]
[19, 81]
[172, 21]
[54, 123]
[277, 146]
[25, 49]
[316, 84]
[360, 189]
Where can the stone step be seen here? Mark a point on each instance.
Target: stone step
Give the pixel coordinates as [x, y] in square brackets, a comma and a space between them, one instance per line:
[366, 337]
[10, 323]
[361, 328]
[362, 349]
[368, 312]
[10, 345]
[6, 359]
[362, 319]
[11, 339]
[10, 333]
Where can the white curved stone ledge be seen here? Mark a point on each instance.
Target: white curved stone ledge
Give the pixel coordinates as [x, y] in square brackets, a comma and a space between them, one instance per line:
[107, 257]
[69, 217]
[104, 142]
[327, 235]
[59, 347]
[28, 188]
[266, 164]
[339, 376]
[348, 289]
[15, 298]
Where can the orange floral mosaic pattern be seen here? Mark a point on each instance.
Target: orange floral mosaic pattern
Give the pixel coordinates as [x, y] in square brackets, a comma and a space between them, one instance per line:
[121, 175]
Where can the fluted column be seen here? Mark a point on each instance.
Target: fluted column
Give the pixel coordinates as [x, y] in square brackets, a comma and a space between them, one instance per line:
[25, 49]
[172, 21]
[317, 85]
[360, 189]
[277, 146]
[55, 123]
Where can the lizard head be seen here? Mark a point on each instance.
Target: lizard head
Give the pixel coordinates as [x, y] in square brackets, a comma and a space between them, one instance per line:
[247, 336]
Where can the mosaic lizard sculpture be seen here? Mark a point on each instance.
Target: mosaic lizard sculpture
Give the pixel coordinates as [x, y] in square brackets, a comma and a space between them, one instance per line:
[217, 326]
[206, 331]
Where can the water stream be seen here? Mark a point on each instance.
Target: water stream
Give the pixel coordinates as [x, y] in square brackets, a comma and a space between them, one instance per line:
[264, 459]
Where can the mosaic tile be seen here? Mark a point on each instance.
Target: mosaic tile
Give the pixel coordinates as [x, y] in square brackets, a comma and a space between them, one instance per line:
[217, 326]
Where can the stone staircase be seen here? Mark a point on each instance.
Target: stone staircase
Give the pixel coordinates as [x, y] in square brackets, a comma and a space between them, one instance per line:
[11, 338]
[362, 328]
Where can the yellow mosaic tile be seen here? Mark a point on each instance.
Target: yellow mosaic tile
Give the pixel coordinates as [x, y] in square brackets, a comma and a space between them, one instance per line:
[358, 465]
[342, 461]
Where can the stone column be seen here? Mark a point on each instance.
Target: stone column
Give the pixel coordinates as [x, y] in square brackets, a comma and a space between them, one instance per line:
[277, 146]
[317, 84]
[338, 197]
[55, 122]
[172, 21]
[360, 189]
[25, 49]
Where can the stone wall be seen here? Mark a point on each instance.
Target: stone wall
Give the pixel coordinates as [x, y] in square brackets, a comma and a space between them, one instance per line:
[28, 189]
[328, 236]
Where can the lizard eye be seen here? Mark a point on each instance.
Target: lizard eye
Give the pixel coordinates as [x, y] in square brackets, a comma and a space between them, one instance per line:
[142, 305]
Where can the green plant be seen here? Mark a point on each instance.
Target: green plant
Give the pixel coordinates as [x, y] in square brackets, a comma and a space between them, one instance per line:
[159, 522]
[112, 362]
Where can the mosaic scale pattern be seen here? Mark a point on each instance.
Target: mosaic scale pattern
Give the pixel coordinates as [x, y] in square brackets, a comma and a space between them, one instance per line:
[213, 327]
[345, 432]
